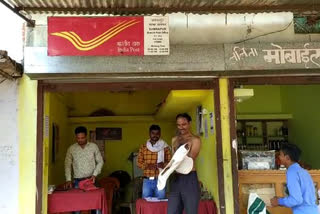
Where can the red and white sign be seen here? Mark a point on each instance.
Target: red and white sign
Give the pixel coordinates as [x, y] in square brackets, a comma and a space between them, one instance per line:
[108, 36]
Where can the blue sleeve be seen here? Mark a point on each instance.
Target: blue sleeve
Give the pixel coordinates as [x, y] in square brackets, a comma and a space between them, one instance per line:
[295, 194]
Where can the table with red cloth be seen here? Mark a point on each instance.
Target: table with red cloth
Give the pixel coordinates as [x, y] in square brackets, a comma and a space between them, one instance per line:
[160, 207]
[76, 200]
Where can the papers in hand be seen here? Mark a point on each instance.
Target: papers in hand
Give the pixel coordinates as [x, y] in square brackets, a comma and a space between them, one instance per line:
[154, 199]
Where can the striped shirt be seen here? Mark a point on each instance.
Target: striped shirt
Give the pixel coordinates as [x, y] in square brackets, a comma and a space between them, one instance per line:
[85, 162]
[146, 157]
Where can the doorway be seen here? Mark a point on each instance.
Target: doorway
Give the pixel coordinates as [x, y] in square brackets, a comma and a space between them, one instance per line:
[132, 107]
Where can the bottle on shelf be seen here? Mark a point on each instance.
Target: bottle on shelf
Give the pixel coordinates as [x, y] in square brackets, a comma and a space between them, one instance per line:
[284, 131]
[255, 131]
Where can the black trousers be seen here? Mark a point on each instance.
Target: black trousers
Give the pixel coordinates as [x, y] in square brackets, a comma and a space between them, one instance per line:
[184, 194]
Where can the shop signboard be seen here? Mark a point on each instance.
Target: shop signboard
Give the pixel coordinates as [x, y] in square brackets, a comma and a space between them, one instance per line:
[108, 36]
[272, 56]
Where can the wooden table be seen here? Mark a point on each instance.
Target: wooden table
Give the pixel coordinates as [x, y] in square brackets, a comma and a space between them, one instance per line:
[76, 200]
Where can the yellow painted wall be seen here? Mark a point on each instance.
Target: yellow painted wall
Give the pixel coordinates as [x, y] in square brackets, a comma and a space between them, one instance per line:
[133, 135]
[207, 160]
[83, 104]
[58, 115]
[55, 111]
[27, 119]
[116, 152]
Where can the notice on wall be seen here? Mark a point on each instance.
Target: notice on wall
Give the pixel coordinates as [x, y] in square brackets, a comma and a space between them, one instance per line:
[156, 35]
[46, 126]
[206, 134]
[211, 122]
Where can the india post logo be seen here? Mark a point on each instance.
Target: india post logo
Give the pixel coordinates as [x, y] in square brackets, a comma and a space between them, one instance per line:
[72, 36]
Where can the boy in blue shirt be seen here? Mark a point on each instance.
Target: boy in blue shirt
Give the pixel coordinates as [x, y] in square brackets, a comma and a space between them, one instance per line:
[302, 195]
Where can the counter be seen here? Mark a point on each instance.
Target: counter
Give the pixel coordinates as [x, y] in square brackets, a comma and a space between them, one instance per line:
[267, 183]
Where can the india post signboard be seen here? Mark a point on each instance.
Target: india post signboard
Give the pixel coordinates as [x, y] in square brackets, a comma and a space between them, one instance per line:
[108, 36]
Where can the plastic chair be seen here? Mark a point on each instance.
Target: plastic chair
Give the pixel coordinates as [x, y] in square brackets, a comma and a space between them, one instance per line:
[133, 192]
[110, 185]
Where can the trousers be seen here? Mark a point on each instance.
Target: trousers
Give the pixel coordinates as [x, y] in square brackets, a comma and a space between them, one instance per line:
[184, 194]
[149, 189]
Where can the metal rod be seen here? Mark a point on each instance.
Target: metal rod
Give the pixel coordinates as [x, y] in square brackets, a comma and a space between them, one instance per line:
[31, 23]
[307, 9]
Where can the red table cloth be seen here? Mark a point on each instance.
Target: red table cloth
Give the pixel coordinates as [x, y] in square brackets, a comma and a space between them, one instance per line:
[146, 207]
[76, 200]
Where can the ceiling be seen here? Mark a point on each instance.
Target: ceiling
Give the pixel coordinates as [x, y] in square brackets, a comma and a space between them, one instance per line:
[163, 104]
[118, 103]
[144, 7]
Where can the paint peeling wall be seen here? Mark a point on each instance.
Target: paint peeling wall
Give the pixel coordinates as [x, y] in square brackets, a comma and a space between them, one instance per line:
[9, 164]
[11, 40]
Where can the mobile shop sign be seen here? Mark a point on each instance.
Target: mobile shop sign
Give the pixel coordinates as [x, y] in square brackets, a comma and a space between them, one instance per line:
[108, 36]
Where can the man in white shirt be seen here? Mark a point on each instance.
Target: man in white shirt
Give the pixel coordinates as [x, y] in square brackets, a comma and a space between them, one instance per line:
[85, 159]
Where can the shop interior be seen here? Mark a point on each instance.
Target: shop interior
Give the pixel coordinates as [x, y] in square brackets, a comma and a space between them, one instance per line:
[267, 117]
[128, 114]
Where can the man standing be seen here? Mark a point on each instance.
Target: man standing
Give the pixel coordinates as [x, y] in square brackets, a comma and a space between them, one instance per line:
[153, 156]
[84, 158]
[302, 194]
[185, 191]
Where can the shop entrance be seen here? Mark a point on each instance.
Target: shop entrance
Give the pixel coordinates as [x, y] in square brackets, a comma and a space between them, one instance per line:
[128, 109]
[267, 113]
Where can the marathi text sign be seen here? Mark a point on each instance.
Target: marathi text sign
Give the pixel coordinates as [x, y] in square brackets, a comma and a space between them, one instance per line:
[156, 35]
[107, 36]
[265, 56]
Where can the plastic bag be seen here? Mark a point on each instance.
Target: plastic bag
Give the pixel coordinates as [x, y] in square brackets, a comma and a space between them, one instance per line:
[256, 205]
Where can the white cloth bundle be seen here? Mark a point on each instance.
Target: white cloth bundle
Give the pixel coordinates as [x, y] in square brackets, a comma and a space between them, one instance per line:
[180, 162]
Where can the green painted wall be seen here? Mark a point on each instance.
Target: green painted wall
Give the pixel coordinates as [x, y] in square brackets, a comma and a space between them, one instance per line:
[303, 102]
[266, 99]
[207, 161]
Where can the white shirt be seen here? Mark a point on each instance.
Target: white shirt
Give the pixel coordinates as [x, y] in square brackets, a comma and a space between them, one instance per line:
[85, 161]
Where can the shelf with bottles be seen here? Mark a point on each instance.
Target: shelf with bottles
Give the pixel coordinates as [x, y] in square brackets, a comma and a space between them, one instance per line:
[270, 136]
[261, 134]
[279, 136]
[249, 129]
[257, 136]
[276, 144]
[253, 146]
